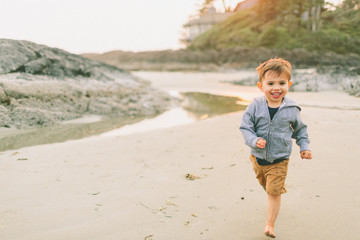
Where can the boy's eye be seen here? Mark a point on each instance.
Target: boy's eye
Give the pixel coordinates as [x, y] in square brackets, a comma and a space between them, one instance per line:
[282, 83]
[270, 84]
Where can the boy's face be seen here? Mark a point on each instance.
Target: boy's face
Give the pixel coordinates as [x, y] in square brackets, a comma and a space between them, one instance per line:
[275, 87]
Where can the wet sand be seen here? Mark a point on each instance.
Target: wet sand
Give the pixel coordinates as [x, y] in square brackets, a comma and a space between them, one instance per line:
[135, 186]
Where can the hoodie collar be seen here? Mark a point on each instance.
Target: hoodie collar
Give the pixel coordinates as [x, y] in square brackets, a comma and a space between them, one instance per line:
[287, 102]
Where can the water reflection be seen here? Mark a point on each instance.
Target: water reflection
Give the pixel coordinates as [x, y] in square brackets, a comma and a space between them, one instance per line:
[60, 133]
[195, 106]
[203, 105]
[173, 117]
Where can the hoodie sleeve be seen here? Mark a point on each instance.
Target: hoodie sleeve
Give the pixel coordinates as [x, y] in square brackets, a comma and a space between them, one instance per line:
[247, 126]
[300, 133]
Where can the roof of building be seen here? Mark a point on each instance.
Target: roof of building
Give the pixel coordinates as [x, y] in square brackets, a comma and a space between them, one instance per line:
[246, 4]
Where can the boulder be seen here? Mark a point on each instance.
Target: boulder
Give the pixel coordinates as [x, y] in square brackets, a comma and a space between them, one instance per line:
[41, 86]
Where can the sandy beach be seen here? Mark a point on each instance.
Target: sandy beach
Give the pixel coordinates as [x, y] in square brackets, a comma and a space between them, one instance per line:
[191, 181]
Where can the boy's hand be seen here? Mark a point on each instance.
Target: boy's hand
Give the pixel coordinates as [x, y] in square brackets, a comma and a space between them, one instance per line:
[261, 143]
[306, 154]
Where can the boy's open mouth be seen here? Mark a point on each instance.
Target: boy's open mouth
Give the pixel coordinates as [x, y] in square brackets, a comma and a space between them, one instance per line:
[276, 95]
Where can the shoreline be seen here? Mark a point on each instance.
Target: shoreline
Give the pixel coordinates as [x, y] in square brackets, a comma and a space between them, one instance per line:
[174, 83]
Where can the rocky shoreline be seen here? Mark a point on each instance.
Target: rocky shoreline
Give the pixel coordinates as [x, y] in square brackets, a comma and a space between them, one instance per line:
[42, 86]
[316, 71]
[311, 80]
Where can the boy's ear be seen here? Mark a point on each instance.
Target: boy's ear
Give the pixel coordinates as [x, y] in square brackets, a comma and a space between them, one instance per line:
[290, 83]
[260, 86]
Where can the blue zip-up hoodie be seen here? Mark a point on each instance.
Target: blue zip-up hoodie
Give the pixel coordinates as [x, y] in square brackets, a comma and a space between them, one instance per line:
[286, 124]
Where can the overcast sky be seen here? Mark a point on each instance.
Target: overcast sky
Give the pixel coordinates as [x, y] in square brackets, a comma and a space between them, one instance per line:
[83, 26]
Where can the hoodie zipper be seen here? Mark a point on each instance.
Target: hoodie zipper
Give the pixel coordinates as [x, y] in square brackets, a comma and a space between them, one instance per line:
[270, 124]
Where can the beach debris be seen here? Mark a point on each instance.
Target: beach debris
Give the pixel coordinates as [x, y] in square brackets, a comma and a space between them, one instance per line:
[155, 211]
[187, 223]
[22, 159]
[242, 198]
[317, 196]
[193, 215]
[212, 207]
[209, 168]
[170, 203]
[148, 237]
[162, 208]
[233, 165]
[193, 177]
[15, 153]
[97, 193]
[206, 230]
[146, 206]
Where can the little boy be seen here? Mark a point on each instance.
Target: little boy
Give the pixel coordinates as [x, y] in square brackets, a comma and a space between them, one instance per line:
[268, 125]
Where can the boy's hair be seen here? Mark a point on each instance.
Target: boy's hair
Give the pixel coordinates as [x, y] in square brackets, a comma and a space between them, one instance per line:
[277, 65]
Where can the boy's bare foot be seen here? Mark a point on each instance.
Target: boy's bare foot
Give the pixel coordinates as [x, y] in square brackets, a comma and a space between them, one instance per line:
[269, 231]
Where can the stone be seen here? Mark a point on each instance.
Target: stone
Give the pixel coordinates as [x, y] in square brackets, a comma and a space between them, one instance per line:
[41, 86]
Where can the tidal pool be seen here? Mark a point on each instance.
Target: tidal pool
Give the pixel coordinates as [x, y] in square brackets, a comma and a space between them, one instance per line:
[194, 106]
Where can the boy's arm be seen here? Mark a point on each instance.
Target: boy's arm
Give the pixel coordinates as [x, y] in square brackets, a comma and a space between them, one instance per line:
[300, 133]
[247, 127]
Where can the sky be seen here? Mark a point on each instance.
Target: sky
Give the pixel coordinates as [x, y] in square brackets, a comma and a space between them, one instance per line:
[97, 26]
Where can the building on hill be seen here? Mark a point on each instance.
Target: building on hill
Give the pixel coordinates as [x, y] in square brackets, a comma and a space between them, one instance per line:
[201, 24]
[206, 21]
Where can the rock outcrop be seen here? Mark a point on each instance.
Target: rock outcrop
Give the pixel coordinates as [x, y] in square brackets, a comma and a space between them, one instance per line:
[333, 71]
[312, 80]
[41, 86]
